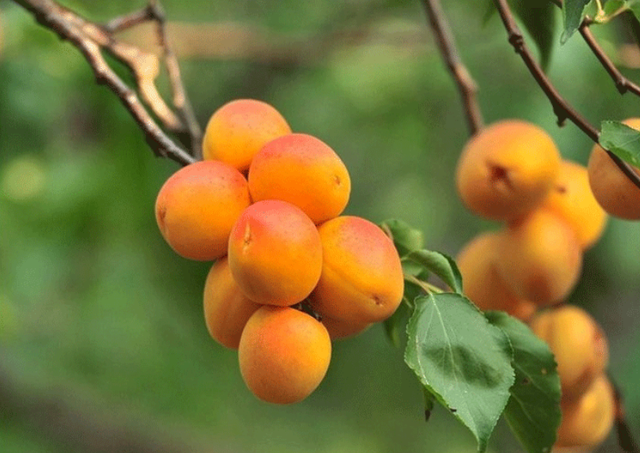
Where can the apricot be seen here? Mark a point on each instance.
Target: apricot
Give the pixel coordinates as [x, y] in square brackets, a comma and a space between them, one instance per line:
[284, 354]
[539, 257]
[237, 130]
[482, 283]
[362, 280]
[571, 199]
[610, 186]
[343, 329]
[578, 343]
[226, 308]
[275, 253]
[587, 421]
[507, 169]
[304, 171]
[197, 207]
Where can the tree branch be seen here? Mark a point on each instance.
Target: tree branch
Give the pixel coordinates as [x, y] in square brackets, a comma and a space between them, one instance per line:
[623, 84]
[180, 100]
[446, 44]
[561, 108]
[90, 39]
[625, 438]
[69, 422]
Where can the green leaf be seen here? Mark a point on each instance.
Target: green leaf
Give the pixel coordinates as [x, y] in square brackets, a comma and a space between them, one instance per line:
[404, 237]
[461, 359]
[395, 325]
[613, 6]
[533, 411]
[621, 140]
[489, 12]
[633, 5]
[572, 14]
[539, 19]
[440, 264]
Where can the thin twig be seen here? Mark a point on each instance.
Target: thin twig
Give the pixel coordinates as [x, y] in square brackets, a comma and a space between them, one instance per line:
[446, 44]
[130, 20]
[561, 108]
[622, 83]
[180, 100]
[89, 39]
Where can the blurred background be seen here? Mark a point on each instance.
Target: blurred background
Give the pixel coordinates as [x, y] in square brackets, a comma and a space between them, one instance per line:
[103, 346]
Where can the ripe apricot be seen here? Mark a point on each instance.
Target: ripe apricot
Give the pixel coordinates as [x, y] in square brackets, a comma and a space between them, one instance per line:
[539, 257]
[614, 191]
[578, 343]
[226, 308]
[586, 422]
[362, 280]
[304, 171]
[275, 253]
[571, 198]
[197, 207]
[284, 354]
[343, 329]
[238, 129]
[482, 283]
[507, 169]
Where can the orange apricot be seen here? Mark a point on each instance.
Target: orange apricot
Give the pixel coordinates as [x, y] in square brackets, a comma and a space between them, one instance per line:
[539, 257]
[578, 343]
[304, 171]
[197, 207]
[362, 280]
[284, 354]
[275, 253]
[507, 169]
[226, 308]
[238, 129]
[343, 329]
[587, 421]
[571, 198]
[482, 283]
[610, 186]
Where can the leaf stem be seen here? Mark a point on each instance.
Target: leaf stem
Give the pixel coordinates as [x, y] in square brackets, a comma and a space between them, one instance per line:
[426, 286]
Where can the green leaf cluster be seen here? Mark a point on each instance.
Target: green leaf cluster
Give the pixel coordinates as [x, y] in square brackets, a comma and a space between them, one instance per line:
[478, 366]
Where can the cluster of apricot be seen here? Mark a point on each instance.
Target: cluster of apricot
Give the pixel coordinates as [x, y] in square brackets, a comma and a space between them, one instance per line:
[291, 272]
[512, 172]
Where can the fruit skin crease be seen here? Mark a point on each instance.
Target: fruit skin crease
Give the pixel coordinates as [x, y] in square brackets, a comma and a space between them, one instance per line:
[265, 250]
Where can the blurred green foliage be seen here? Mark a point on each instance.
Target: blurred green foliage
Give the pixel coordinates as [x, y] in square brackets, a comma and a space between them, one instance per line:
[94, 302]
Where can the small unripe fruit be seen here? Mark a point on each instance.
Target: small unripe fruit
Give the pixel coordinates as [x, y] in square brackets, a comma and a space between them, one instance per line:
[539, 258]
[571, 199]
[238, 129]
[482, 283]
[587, 421]
[304, 171]
[362, 280]
[614, 191]
[197, 207]
[578, 343]
[275, 253]
[507, 169]
[284, 354]
[226, 308]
